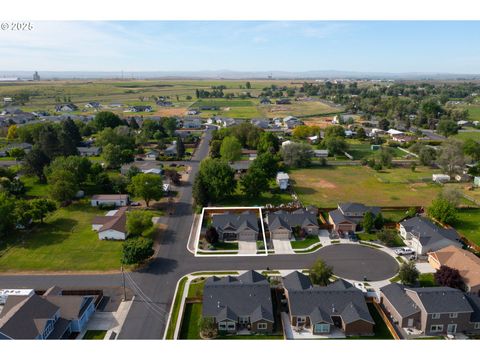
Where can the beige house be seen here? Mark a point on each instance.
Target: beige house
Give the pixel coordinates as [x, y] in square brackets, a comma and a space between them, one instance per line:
[464, 261]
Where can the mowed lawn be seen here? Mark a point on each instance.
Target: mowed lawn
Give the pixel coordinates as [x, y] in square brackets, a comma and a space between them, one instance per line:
[327, 186]
[65, 242]
[468, 224]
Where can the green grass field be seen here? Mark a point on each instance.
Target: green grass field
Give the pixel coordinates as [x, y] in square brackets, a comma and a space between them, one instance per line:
[65, 242]
[327, 186]
[274, 196]
[426, 280]
[468, 224]
[464, 135]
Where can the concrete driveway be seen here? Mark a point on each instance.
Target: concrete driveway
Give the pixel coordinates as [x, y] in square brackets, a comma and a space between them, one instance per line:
[282, 247]
[247, 247]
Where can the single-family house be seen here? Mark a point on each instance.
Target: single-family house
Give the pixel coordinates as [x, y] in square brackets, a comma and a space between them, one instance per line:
[164, 103]
[110, 200]
[283, 180]
[192, 123]
[290, 122]
[348, 216]
[66, 107]
[265, 101]
[320, 153]
[240, 166]
[432, 310]
[89, 151]
[93, 105]
[112, 226]
[236, 226]
[171, 150]
[151, 154]
[424, 236]
[52, 315]
[261, 123]
[193, 112]
[467, 263]
[283, 102]
[440, 178]
[146, 167]
[241, 303]
[140, 108]
[282, 224]
[403, 138]
[324, 309]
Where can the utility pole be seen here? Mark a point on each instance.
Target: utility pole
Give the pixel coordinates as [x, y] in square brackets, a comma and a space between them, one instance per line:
[124, 290]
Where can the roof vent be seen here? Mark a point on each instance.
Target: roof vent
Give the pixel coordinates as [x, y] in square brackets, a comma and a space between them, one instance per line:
[218, 304]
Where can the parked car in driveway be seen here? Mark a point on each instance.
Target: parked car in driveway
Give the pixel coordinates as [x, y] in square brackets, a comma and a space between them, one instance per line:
[404, 251]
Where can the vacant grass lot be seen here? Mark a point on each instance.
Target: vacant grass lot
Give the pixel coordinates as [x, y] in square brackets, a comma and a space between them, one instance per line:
[468, 224]
[275, 197]
[464, 135]
[65, 242]
[300, 108]
[327, 186]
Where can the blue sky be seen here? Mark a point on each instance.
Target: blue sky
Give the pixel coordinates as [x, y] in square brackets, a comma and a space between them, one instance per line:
[244, 46]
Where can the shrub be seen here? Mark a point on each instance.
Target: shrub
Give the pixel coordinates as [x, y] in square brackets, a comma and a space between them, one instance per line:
[137, 250]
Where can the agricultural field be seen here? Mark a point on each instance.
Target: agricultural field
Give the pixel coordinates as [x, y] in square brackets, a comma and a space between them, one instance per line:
[65, 242]
[327, 186]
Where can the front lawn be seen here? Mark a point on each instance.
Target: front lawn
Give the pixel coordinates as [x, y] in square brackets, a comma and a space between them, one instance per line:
[468, 224]
[190, 329]
[175, 309]
[426, 280]
[65, 242]
[196, 288]
[302, 244]
[94, 335]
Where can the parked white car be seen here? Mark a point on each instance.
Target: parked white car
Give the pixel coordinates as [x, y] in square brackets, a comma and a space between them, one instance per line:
[404, 251]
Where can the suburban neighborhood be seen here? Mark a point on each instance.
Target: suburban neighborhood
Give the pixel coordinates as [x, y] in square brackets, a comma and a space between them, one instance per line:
[261, 207]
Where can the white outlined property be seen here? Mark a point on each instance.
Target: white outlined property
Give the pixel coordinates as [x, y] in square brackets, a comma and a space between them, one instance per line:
[241, 232]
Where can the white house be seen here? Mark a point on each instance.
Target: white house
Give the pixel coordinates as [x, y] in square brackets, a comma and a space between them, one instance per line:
[320, 153]
[285, 143]
[112, 226]
[282, 180]
[441, 178]
[110, 200]
[151, 155]
[423, 236]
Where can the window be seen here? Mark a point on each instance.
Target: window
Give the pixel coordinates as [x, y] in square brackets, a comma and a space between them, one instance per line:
[453, 315]
[262, 326]
[301, 319]
[322, 328]
[436, 328]
[477, 325]
[436, 316]
[231, 326]
[243, 319]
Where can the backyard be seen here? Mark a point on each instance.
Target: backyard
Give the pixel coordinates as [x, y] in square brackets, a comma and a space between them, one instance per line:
[65, 242]
[327, 186]
[468, 224]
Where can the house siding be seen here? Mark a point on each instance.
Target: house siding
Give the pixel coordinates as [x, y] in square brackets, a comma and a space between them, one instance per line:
[402, 321]
[359, 327]
[268, 330]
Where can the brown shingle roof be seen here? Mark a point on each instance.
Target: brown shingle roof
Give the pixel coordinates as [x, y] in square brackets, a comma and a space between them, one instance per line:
[110, 197]
[116, 222]
[464, 261]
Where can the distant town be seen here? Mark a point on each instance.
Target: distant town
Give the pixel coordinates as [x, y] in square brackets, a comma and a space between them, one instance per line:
[251, 208]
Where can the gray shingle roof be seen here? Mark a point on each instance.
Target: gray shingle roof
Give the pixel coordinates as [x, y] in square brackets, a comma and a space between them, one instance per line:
[235, 222]
[338, 217]
[442, 299]
[289, 220]
[428, 232]
[395, 294]
[358, 207]
[321, 303]
[230, 297]
[474, 301]
[296, 281]
[26, 318]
